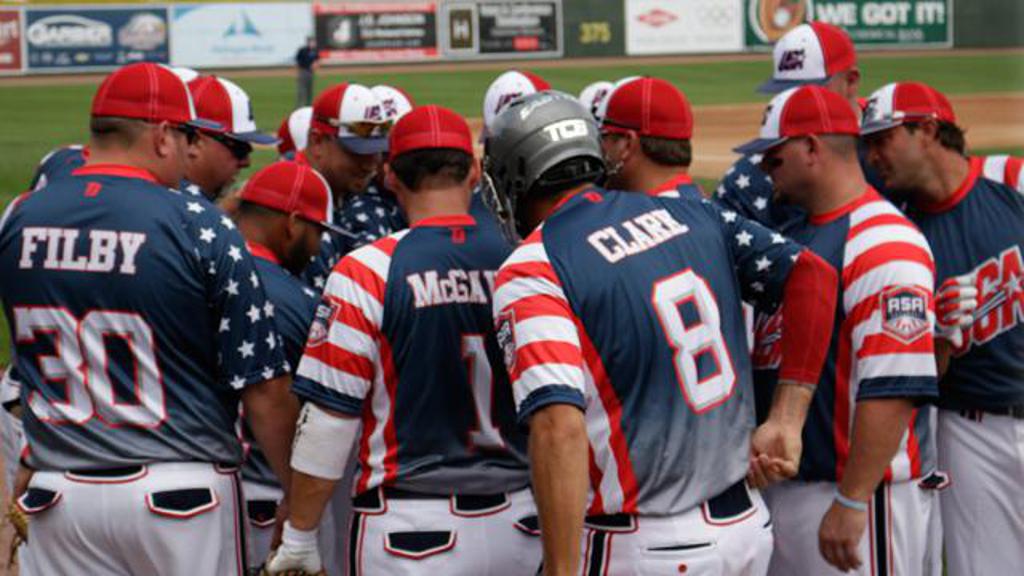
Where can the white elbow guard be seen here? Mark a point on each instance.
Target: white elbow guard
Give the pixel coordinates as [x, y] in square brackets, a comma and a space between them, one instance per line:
[322, 443]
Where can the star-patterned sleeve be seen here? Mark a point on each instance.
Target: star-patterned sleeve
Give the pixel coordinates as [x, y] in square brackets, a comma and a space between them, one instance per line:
[747, 190]
[762, 258]
[370, 216]
[247, 344]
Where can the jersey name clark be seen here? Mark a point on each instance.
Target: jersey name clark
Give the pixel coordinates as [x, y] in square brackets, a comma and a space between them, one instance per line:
[429, 288]
[636, 235]
[62, 250]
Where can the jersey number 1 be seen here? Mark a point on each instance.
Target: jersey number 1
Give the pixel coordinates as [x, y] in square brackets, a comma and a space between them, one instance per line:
[699, 337]
[481, 378]
[81, 363]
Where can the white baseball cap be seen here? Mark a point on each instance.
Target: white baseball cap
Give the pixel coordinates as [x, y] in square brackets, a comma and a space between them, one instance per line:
[595, 93]
[510, 86]
[809, 54]
[902, 102]
[186, 74]
[394, 102]
[294, 131]
[224, 102]
[352, 113]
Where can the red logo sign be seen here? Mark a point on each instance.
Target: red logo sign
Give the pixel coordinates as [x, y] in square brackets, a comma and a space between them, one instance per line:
[10, 40]
[657, 18]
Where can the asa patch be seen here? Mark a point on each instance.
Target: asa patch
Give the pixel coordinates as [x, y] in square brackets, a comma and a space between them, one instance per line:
[325, 313]
[506, 336]
[904, 313]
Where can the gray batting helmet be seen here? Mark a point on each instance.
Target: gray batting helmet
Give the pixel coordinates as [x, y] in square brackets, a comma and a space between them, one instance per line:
[543, 143]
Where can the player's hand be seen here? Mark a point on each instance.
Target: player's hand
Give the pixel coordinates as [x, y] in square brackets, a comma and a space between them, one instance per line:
[279, 518]
[956, 301]
[298, 555]
[774, 453]
[839, 536]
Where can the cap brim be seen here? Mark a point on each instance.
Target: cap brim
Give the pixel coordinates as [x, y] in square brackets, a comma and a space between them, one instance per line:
[364, 145]
[334, 229]
[758, 145]
[774, 86]
[879, 126]
[258, 138]
[205, 124]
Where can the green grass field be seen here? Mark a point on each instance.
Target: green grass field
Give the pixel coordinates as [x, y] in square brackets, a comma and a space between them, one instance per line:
[38, 118]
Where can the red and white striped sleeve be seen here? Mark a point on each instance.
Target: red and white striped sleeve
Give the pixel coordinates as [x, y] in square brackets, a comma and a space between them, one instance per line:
[342, 356]
[1008, 170]
[538, 331]
[888, 281]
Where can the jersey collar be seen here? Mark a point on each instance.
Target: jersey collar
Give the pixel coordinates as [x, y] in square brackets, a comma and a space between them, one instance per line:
[445, 221]
[119, 170]
[672, 183]
[868, 195]
[976, 167]
[261, 251]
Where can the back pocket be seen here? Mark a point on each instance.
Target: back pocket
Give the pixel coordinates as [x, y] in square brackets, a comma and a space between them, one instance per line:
[182, 504]
[37, 500]
[419, 545]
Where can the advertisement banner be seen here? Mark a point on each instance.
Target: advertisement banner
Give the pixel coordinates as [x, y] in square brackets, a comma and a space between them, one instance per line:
[496, 29]
[367, 32]
[237, 35]
[683, 26]
[888, 23]
[10, 41]
[81, 38]
[594, 28]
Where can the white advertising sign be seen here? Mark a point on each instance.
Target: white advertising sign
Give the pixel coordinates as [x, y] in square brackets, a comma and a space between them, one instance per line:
[236, 35]
[683, 26]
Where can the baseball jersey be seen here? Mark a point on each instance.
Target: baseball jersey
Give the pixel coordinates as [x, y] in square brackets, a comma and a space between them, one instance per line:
[747, 190]
[290, 307]
[882, 345]
[403, 339]
[138, 318]
[629, 307]
[58, 163]
[1005, 169]
[680, 186]
[980, 230]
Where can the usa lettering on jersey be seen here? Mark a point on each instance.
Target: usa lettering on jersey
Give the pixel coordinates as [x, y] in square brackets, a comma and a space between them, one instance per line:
[62, 251]
[457, 287]
[636, 235]
[1000, 284]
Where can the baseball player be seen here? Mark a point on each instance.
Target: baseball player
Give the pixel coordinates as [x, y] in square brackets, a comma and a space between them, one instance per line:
[138, 322]
[503, 90]
[58, 163]
[293, 133]
[867, 444]
[283, 209]
[593, 96]
[814, 53]
[347, 134]
[975, 226]
[218, 156]
[403, 343]
[646, 128]
[621, 326]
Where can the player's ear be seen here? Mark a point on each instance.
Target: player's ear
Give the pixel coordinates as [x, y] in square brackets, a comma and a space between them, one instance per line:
[391, 181]
[473, 178]
[163, 139]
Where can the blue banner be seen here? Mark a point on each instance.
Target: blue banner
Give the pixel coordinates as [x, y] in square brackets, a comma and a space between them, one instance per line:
[78, 38]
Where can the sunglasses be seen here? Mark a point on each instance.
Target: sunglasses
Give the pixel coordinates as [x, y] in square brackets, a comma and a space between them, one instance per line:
[240, 150]
[191, 134]
[359, 129]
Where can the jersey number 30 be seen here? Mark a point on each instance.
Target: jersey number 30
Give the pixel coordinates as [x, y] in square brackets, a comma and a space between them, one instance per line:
[697, 337]
[81, 363]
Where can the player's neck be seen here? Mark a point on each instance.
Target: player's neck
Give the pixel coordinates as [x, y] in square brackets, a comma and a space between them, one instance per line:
[947, 172]
[257, 232]
[651, 176]
[424, 204]
[837, 188]
[128, 157]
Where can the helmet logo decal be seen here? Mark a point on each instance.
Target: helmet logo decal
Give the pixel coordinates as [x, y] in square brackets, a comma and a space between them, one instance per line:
[566, 130]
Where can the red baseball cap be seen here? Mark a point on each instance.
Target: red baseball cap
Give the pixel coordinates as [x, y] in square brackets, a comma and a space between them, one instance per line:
[809, 54]
[352, 113]
[290, 187]
[430, 127]
[899, 102]
[224, 102]
[650, 107]
[294, 131]
[801, 112]
[150, 92]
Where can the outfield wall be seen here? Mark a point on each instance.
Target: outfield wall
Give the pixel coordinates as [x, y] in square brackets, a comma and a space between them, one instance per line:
[82, 38]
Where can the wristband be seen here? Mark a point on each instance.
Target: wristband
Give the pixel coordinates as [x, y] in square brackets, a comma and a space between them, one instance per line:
[851, 503]
[298, 539]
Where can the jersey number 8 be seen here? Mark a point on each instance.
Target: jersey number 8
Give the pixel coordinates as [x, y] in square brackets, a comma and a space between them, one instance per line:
[81, 363]
[695, 338]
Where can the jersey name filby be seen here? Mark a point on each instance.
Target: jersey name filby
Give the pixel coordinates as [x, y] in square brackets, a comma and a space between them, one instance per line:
[429, 288]
[62, 252]
[636, 235]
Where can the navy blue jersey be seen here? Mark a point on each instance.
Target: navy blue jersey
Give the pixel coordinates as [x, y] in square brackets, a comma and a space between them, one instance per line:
[629, 306]
[404, 339]
[290, 306]
[681, 186]
[882, 344]
[980, 230]
[59, 163]
[138, 318]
